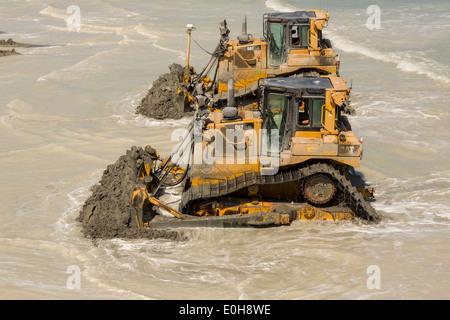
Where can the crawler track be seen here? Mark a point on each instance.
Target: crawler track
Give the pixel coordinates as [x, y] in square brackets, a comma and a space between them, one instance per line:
[348, 193]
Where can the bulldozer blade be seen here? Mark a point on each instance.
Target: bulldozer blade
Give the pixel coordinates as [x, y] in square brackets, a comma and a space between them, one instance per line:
[257, 220]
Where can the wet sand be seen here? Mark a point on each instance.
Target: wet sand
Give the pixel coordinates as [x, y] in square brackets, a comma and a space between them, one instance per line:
[160, 102]
[108, 212]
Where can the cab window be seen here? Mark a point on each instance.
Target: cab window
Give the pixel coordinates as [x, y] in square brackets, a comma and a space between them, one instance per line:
[276, 49]
[299, 36]
[276, 116]
[310, 113]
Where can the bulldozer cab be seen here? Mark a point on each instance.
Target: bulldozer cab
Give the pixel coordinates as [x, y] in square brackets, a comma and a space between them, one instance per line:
[303, 120]
[300, 30]
[295, 105]
[292, 46]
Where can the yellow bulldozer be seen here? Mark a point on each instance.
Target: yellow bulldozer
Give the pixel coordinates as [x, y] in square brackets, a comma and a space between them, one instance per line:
[288, 154]
[292, 46]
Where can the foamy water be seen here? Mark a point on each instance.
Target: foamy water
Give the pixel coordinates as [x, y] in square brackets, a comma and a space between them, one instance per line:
[67, 111]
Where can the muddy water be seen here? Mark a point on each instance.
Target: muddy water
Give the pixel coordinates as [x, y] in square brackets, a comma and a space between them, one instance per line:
[67, 111]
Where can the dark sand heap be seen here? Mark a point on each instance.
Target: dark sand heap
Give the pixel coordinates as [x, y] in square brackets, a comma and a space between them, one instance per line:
[160, 102]
[10, 43]
[4, 53]
[107, 213]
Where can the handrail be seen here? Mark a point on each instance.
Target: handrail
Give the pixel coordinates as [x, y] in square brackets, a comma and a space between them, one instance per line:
[322, 116]
[308, 37]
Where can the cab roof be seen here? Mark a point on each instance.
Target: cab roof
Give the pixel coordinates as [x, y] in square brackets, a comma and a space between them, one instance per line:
[292, 83]
[296, 17]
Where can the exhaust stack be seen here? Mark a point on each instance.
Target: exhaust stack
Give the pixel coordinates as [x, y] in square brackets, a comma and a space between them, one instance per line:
[244, 37]
[230, 111]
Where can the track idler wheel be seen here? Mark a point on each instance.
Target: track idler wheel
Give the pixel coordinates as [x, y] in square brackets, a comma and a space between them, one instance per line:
[319, 189]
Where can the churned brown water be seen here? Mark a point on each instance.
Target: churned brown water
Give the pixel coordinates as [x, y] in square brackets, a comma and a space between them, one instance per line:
[67, 111]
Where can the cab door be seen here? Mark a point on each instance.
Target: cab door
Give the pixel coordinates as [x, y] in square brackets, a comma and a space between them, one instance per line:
[276, 121]
[277, 40]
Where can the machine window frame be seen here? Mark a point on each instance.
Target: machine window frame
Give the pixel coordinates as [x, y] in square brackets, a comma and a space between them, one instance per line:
[313, 120]
[281, 57]
[285, 121]
[304, 43]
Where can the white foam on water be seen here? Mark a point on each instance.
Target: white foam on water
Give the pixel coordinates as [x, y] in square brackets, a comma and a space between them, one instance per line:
[280, 6]
[95, 272]
[181, 54]
[145, 31]
[421, 66]
[54, 12]
[75, 200]
[143, 121]
[88, 29]
[69, 238]
[125, 31]
[421, 199]
[150, 33]
[130, 34]
[82, 69]
[84, 28]
[124, 111]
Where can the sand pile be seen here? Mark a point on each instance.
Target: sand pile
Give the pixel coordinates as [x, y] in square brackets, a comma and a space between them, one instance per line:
[5, 45]
[160, 102]
[107, 213]
[10, 42]
[4, 53]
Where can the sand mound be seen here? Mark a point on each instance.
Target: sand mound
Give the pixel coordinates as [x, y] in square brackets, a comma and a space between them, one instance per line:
[4, 53]
[160, 102]
[13, 44]
[10, 43]
[107, 213]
